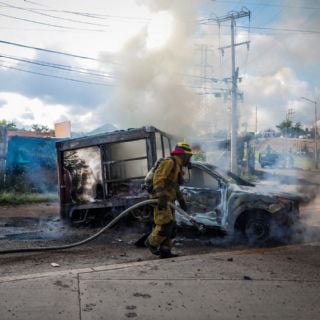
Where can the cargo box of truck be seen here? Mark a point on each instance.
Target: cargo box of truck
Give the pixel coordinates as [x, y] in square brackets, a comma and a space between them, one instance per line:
[101, 175]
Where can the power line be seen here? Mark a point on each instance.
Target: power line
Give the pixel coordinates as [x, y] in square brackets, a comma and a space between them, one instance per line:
[284, 29]
[207, 21]
[57, 77]
[50, 51]
[36, 3]
[48, 24]
[272, 5]
[51, 16]
[57, 66]
[100, 16]
[41, 30]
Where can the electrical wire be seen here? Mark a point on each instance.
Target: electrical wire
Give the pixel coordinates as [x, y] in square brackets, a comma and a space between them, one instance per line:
[51, 16]
[273, 5]
[207, 21]
[53, 76]
[282, 43]
[100, 16]
[36, 3]
[51, 51]
[48, 24]
[284, 29]
[58, 66]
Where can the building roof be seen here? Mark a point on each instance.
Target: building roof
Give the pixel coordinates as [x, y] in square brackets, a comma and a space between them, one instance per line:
[22, 133]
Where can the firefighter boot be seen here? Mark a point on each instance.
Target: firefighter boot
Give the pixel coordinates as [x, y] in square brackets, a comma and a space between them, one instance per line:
[154, 250]
[165, 252]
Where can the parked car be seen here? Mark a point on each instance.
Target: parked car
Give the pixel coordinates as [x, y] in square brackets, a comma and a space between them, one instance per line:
[224, 201]
[270, 159]
[275, 159]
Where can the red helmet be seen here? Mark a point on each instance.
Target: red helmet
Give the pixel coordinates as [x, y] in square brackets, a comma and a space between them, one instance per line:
[182, 148]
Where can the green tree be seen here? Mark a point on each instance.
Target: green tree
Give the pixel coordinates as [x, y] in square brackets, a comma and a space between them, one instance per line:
[9, 125]
[40, 128]
[298, 129]
[285, 127]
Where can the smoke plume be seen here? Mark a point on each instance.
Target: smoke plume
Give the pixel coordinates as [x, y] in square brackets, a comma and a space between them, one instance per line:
[151, 88]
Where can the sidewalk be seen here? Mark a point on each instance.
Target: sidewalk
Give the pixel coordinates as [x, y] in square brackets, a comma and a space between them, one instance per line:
[282, 283]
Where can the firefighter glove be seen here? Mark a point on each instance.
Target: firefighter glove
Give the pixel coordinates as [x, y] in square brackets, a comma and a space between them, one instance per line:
[183, 204]
[181, 201]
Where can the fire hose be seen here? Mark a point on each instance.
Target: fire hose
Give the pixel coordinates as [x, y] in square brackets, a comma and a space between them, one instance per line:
[200, 227]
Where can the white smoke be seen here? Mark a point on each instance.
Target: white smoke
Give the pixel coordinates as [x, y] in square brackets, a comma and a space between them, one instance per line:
[151, 88]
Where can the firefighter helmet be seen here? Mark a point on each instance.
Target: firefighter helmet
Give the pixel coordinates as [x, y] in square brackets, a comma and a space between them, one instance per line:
[182, 147]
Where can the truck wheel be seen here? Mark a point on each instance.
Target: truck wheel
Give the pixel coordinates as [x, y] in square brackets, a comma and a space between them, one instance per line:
[105, 219]
[257, 228]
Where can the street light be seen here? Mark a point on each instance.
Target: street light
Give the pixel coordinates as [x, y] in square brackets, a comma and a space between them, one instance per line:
[315, 131]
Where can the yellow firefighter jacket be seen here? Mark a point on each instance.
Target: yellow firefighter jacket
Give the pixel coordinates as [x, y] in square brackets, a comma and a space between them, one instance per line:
[166, 182]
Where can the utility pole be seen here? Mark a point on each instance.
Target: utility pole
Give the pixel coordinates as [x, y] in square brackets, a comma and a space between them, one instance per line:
[256, 127]
[233, 16]
[315, 131]
[206, 69]
[289, 117]
[290, 114]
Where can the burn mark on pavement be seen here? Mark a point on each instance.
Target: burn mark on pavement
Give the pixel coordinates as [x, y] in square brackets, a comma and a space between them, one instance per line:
[59, 283]
[142, 295]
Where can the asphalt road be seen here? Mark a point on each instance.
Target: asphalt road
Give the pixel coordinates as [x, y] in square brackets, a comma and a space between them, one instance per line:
[39, 225]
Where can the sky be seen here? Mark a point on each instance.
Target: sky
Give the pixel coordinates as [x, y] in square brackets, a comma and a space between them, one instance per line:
[131, 63]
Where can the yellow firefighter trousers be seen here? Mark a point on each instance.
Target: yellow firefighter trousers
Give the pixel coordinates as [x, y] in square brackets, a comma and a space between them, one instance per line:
[158, 236]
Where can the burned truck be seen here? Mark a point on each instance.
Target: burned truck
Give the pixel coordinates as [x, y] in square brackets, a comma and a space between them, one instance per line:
[222, 201]
[101, 175]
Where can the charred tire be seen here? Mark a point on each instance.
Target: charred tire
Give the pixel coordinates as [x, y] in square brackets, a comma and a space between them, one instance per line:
[257, 228]
[104, 218]
[143, 214]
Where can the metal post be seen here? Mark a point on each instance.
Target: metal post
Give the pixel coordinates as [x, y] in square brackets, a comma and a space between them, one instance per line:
[256, 127]
[234, 91]
[234, 113]
[315, 136]
[315, 131]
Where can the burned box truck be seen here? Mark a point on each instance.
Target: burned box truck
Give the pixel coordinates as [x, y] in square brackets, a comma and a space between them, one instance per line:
[101, 175]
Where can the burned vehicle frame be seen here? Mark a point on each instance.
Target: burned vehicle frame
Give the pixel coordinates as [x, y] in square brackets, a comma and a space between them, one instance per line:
[225, 202]
[101, 175]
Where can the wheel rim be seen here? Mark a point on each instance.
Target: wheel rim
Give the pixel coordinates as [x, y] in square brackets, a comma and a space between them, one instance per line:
[257, 229]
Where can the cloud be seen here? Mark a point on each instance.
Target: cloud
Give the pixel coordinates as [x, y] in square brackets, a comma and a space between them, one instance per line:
[273, 94]
[53, 90]
[150, 83]
[2, 102]
[28, 115]
[278, 68]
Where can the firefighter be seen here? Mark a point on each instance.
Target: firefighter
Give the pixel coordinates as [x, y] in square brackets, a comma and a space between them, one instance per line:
[166, 181]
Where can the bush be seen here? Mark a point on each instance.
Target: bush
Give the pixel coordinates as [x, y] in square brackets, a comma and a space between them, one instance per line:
[22, 198]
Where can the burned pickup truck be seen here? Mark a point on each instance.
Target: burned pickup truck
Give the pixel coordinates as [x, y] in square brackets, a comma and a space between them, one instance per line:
[225, 202]
[102, 175]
